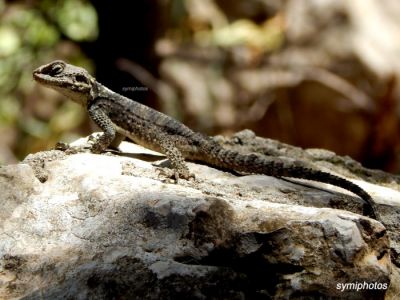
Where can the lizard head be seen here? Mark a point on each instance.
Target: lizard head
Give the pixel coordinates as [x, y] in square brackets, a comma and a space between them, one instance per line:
[73, 82]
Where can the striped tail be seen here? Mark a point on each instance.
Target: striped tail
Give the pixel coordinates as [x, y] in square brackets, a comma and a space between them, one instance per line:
[257, 164]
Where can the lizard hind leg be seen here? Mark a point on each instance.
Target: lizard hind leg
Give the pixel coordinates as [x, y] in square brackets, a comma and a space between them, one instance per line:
[180, 169]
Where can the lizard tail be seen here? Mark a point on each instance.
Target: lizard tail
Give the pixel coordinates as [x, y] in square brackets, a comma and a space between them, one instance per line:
[256, 164]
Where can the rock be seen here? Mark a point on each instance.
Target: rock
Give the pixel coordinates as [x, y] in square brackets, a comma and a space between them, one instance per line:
[110, 227]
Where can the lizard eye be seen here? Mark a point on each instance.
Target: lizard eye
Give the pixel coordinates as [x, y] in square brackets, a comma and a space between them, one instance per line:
[56, 69]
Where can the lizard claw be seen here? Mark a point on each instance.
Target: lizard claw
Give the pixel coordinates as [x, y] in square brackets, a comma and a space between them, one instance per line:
[69, 149]
[96, 148]
[184, 173]
[62, 146]
[176, 175]
[95, 145]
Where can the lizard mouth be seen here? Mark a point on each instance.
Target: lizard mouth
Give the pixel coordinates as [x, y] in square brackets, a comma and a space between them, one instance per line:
[42, 78]
[48, 74]
[39, 77]
[59, 82]
[47, 80]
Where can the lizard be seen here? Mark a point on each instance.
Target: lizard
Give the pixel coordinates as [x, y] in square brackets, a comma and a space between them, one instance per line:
[120, 117]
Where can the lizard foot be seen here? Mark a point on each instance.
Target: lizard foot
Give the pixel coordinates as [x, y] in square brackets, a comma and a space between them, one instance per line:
[68, 149]
[95, 144]
[175, 174]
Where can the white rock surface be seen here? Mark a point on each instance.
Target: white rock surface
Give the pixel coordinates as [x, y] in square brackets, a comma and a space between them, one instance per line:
[110, 227]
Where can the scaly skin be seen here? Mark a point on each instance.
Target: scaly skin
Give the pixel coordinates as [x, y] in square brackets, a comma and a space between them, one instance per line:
[120, 117]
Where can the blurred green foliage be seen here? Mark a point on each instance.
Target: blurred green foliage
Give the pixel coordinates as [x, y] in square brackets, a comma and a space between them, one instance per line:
[77, 19]
[33, 33]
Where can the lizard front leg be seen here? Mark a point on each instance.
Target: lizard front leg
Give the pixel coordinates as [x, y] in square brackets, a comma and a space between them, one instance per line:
[104, 122]
[111, 137]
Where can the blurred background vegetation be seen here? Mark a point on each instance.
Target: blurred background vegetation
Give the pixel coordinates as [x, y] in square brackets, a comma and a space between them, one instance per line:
[306, 72]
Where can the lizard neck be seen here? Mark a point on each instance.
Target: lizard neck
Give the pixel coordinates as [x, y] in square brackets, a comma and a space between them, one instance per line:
[100, 91]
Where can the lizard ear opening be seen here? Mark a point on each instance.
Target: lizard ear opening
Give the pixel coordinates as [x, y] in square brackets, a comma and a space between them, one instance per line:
[81, 78]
